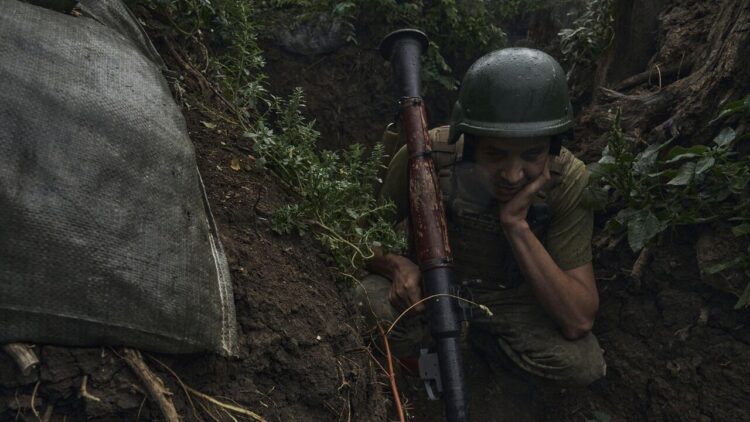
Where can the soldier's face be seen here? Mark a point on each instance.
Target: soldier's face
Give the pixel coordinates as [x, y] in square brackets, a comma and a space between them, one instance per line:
[509, 164]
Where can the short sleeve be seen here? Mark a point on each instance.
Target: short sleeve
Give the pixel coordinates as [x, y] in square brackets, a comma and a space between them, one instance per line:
[396, 184]
[571, 224]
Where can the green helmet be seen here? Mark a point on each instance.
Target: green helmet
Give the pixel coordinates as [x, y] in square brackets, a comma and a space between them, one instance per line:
[513, 92]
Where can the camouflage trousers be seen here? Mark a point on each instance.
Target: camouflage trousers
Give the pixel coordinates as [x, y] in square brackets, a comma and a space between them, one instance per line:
[518, 331]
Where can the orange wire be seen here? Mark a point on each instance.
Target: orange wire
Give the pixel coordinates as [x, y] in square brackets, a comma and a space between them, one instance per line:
[392, 376]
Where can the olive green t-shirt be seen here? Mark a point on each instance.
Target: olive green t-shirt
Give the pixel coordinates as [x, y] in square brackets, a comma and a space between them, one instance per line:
[568, 235]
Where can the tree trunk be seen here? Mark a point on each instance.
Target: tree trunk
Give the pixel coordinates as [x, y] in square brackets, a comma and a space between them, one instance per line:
[700, 61]
[636, 28]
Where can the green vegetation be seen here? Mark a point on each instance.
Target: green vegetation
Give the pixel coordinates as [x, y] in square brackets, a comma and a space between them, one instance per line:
[334, 189]
[592, 34]
[235, 68]
[456, 28]
[664, 186]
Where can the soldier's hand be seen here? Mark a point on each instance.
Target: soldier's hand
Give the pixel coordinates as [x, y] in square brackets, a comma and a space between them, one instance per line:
[406, 287]
[513, 213]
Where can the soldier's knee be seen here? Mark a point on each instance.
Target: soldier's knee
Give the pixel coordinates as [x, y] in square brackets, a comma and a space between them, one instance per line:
[578, 363]
[370, 296]
[570, 363]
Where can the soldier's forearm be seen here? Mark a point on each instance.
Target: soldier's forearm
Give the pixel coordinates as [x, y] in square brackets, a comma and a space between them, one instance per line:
[570, 297]
[386, 264]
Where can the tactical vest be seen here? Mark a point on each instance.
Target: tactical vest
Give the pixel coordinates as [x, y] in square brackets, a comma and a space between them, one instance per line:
[483, 258]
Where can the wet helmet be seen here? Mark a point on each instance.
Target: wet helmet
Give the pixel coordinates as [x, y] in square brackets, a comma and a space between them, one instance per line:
[513, 92]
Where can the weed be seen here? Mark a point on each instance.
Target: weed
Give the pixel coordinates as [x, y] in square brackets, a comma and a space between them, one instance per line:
[592, 34]
[661, 188]
[337, 202]
[335, 189]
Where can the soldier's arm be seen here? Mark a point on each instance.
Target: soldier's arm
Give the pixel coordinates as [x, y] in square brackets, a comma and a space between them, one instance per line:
[406, 286]
[569, 296]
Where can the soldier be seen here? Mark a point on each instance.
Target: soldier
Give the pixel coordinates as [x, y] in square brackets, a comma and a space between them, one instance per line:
[520, 237]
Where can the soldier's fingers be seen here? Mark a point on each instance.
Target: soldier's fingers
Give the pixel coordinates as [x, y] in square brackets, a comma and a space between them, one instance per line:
[536, 184]
[395, 299]
[415, 295]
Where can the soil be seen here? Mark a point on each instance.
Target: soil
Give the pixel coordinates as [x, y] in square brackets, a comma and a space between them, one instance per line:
[675, 348]
[349, 93]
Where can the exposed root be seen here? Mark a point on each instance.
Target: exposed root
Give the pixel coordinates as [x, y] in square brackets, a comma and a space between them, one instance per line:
[140, 408]
[221, 405]
[348, 405]
[199, 78]
[47, 415]
[227, 406]
[209, 412]
[344, 382]
[636, 274]
[33, 400]
[154, 385]
[23, 355]
[645, 77]
[83, 392]
[374, 359]
[658, 69]
[203, 83]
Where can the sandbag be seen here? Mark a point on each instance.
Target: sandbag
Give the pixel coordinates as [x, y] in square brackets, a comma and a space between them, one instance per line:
[106, 237]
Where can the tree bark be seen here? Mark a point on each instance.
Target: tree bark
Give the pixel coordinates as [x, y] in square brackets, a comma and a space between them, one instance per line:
[702, 55]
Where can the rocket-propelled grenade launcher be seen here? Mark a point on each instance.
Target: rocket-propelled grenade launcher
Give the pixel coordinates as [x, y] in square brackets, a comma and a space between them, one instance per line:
[403, 49]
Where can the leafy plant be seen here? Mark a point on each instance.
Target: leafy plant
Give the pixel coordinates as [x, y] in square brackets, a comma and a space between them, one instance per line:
[592, 34]
[239, 70]
[235, 66]
[511, 9]
[661, 188]
[335, 189]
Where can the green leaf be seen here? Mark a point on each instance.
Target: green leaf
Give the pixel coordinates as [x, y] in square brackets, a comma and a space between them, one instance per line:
[594, 198]
[704, 164]
[642, 227]
[740, 181]
[741, 230]
[645, 160]
[607, 159]
[721, 266]
[601, 170]
[680, 153]
[744, 300]
[733, 107]
[595, 170]
[624, 215]
[684, 175]
[725, 137]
